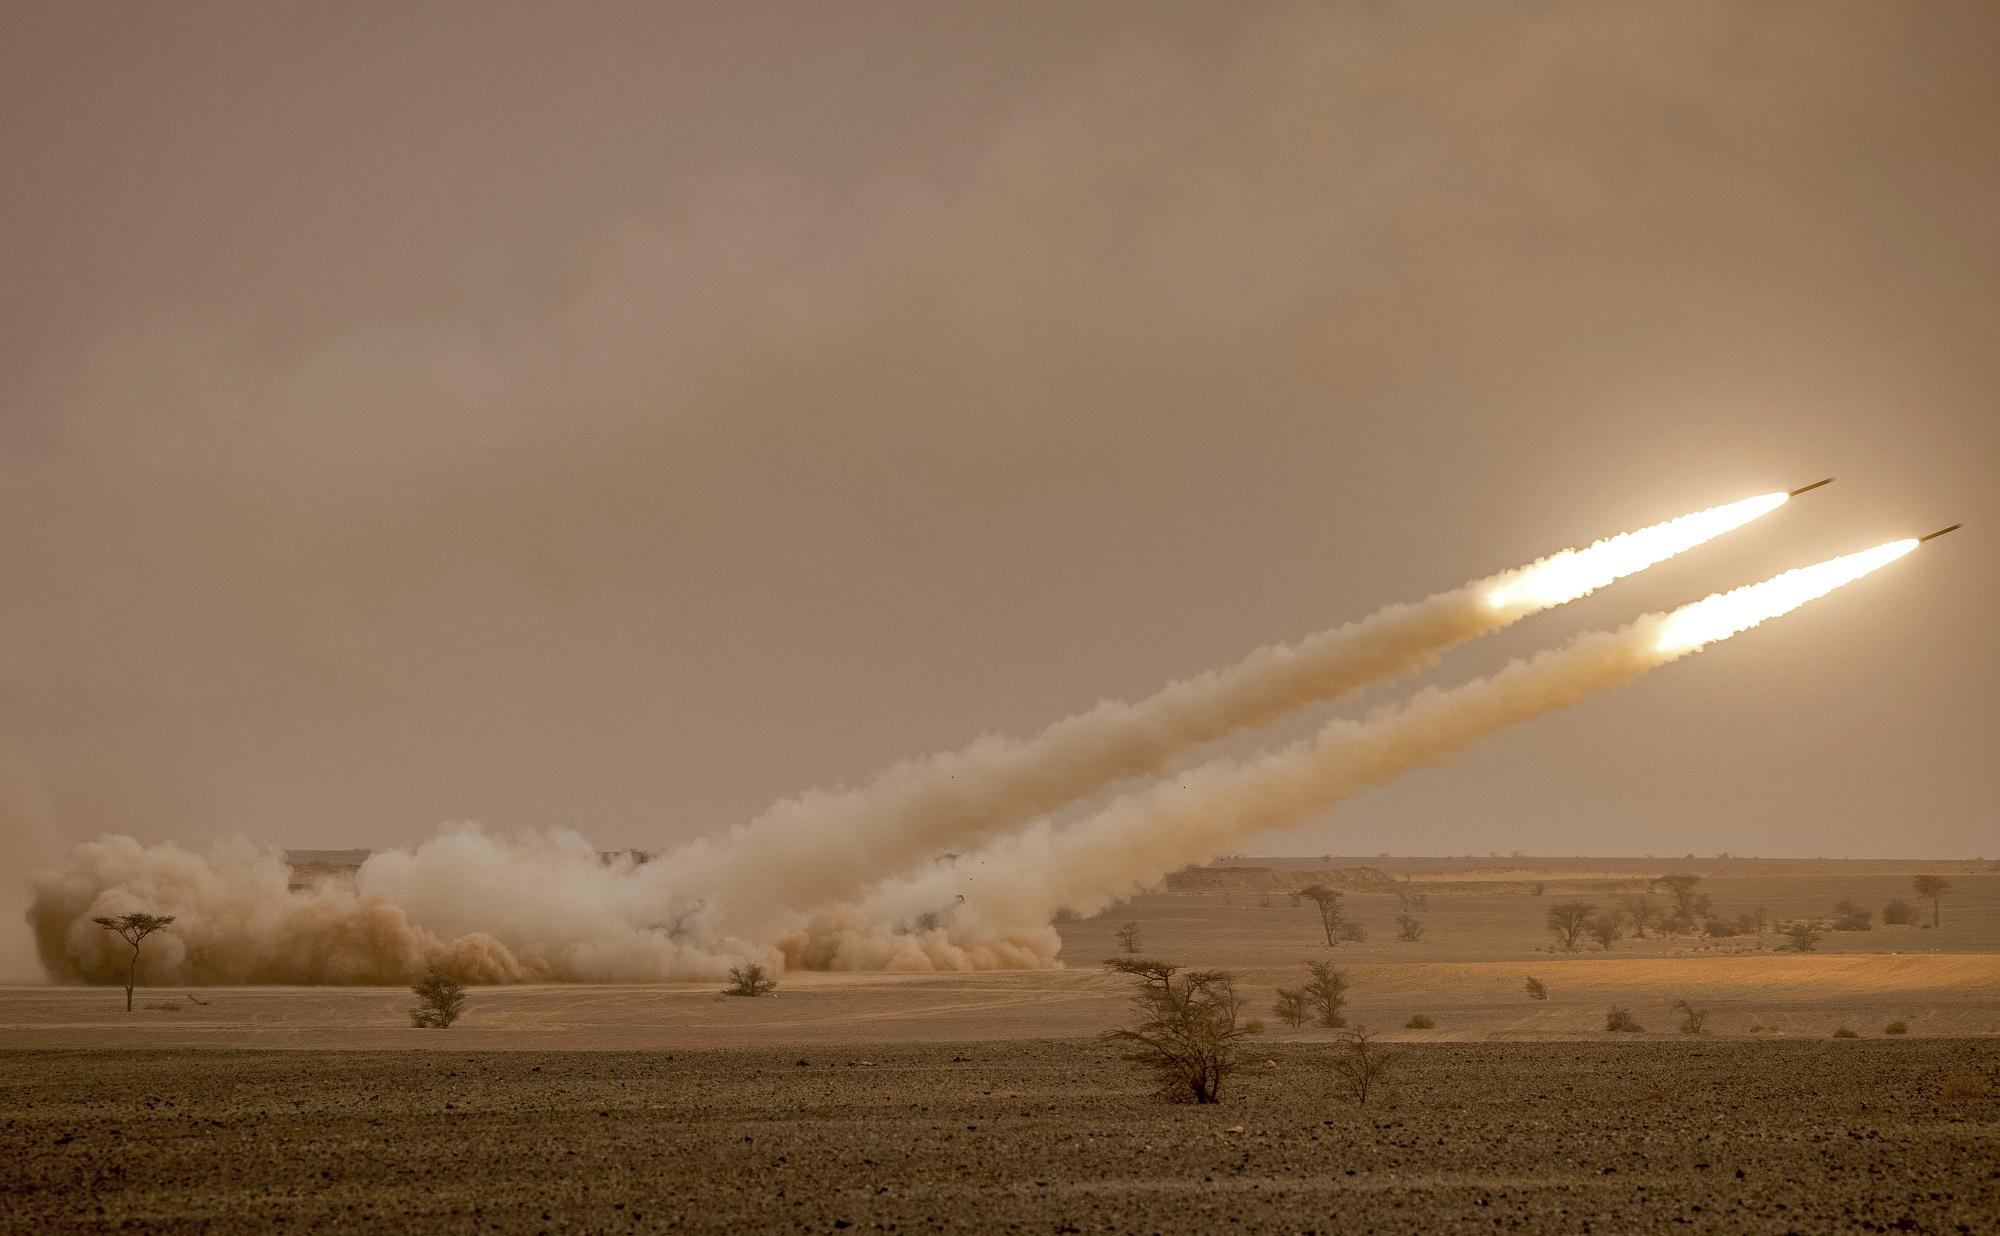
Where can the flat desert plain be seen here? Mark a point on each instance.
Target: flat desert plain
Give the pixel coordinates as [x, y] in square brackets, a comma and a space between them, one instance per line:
[984, 1101]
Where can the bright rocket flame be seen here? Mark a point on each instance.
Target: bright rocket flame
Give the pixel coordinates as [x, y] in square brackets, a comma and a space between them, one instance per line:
[1726, 613]
[1578, 572]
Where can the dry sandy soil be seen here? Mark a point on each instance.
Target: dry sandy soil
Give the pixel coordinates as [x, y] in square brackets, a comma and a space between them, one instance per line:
[1819, 1136]
[687, 1108]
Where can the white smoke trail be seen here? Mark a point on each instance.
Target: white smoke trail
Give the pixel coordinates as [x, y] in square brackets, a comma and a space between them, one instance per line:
[998, 903]
[546, 906]
[821, 847]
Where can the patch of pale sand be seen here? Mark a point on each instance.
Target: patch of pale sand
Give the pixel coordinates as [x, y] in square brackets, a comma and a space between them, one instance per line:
[1937, 994]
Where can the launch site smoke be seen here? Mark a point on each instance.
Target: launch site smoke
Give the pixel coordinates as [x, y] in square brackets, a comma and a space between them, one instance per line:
[794, 886]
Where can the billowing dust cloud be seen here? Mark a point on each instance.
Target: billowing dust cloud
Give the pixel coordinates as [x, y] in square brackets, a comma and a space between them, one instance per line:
[850, 879]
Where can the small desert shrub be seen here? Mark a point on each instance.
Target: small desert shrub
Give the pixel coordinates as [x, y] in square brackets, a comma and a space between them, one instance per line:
[1896, 1027]
[1801, 936]
[1362, 1063]
[1721, 928]
[1351, 933]
[1605, 929]
[1845, 1032]
[1621, 1020]
[1421, 1021]
[1539, 888]
[440, 997]
[1693, 1020]
[1409, 929]
[1898, 913]
[1850, 917]
[1535, 989]
[1188, 1032]
[749, 980]
[1964, 1088]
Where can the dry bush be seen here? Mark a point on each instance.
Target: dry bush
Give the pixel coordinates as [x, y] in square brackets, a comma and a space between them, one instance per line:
[1535, 989]
[1421, 1021]
[1363, 1063]
[1128, 937]
[1896, 1027]
[1567, 922]
[1605, 929]
[1690, 907]
[1638, 910]
[1188, 1032]
[1325, 992]
[749, 980]
[1409, 929]
[1693, 1020]
[441, 999]
[1290, 1007]
[1898, 913]
[1801, 936]
[1964, 1088]
[1622, 1020]
[1845, 1032]
[1850, 917]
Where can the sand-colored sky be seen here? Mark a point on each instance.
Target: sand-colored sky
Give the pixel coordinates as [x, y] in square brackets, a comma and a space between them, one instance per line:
[619, 416]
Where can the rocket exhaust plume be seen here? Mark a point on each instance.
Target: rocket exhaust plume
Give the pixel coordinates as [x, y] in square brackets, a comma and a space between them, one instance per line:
[1012, 889]
[823, 846]
[548, 906]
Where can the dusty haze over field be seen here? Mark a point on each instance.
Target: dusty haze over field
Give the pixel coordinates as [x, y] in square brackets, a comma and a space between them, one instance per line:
[617, 418]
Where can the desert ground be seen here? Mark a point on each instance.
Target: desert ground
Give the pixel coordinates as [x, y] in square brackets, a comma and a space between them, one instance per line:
[985, 1101]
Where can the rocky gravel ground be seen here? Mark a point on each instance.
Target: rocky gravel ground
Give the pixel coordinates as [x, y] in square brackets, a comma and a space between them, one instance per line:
[1053, 1136]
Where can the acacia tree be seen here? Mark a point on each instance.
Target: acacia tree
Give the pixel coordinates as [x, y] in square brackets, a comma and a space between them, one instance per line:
[1290, 1007]
[1188, 1032]
[132, 928]
[1689, 905]
[1932, 887]
[1328, 902]
[1128, 937]
[1325, 992]
[1639, 910]
[1567, 922]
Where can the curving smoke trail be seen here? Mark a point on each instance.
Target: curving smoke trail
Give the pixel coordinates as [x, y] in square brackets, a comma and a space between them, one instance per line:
[999, 902]
[824, 846]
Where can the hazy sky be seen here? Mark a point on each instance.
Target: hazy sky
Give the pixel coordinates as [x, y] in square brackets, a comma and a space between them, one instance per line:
[619, 416]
